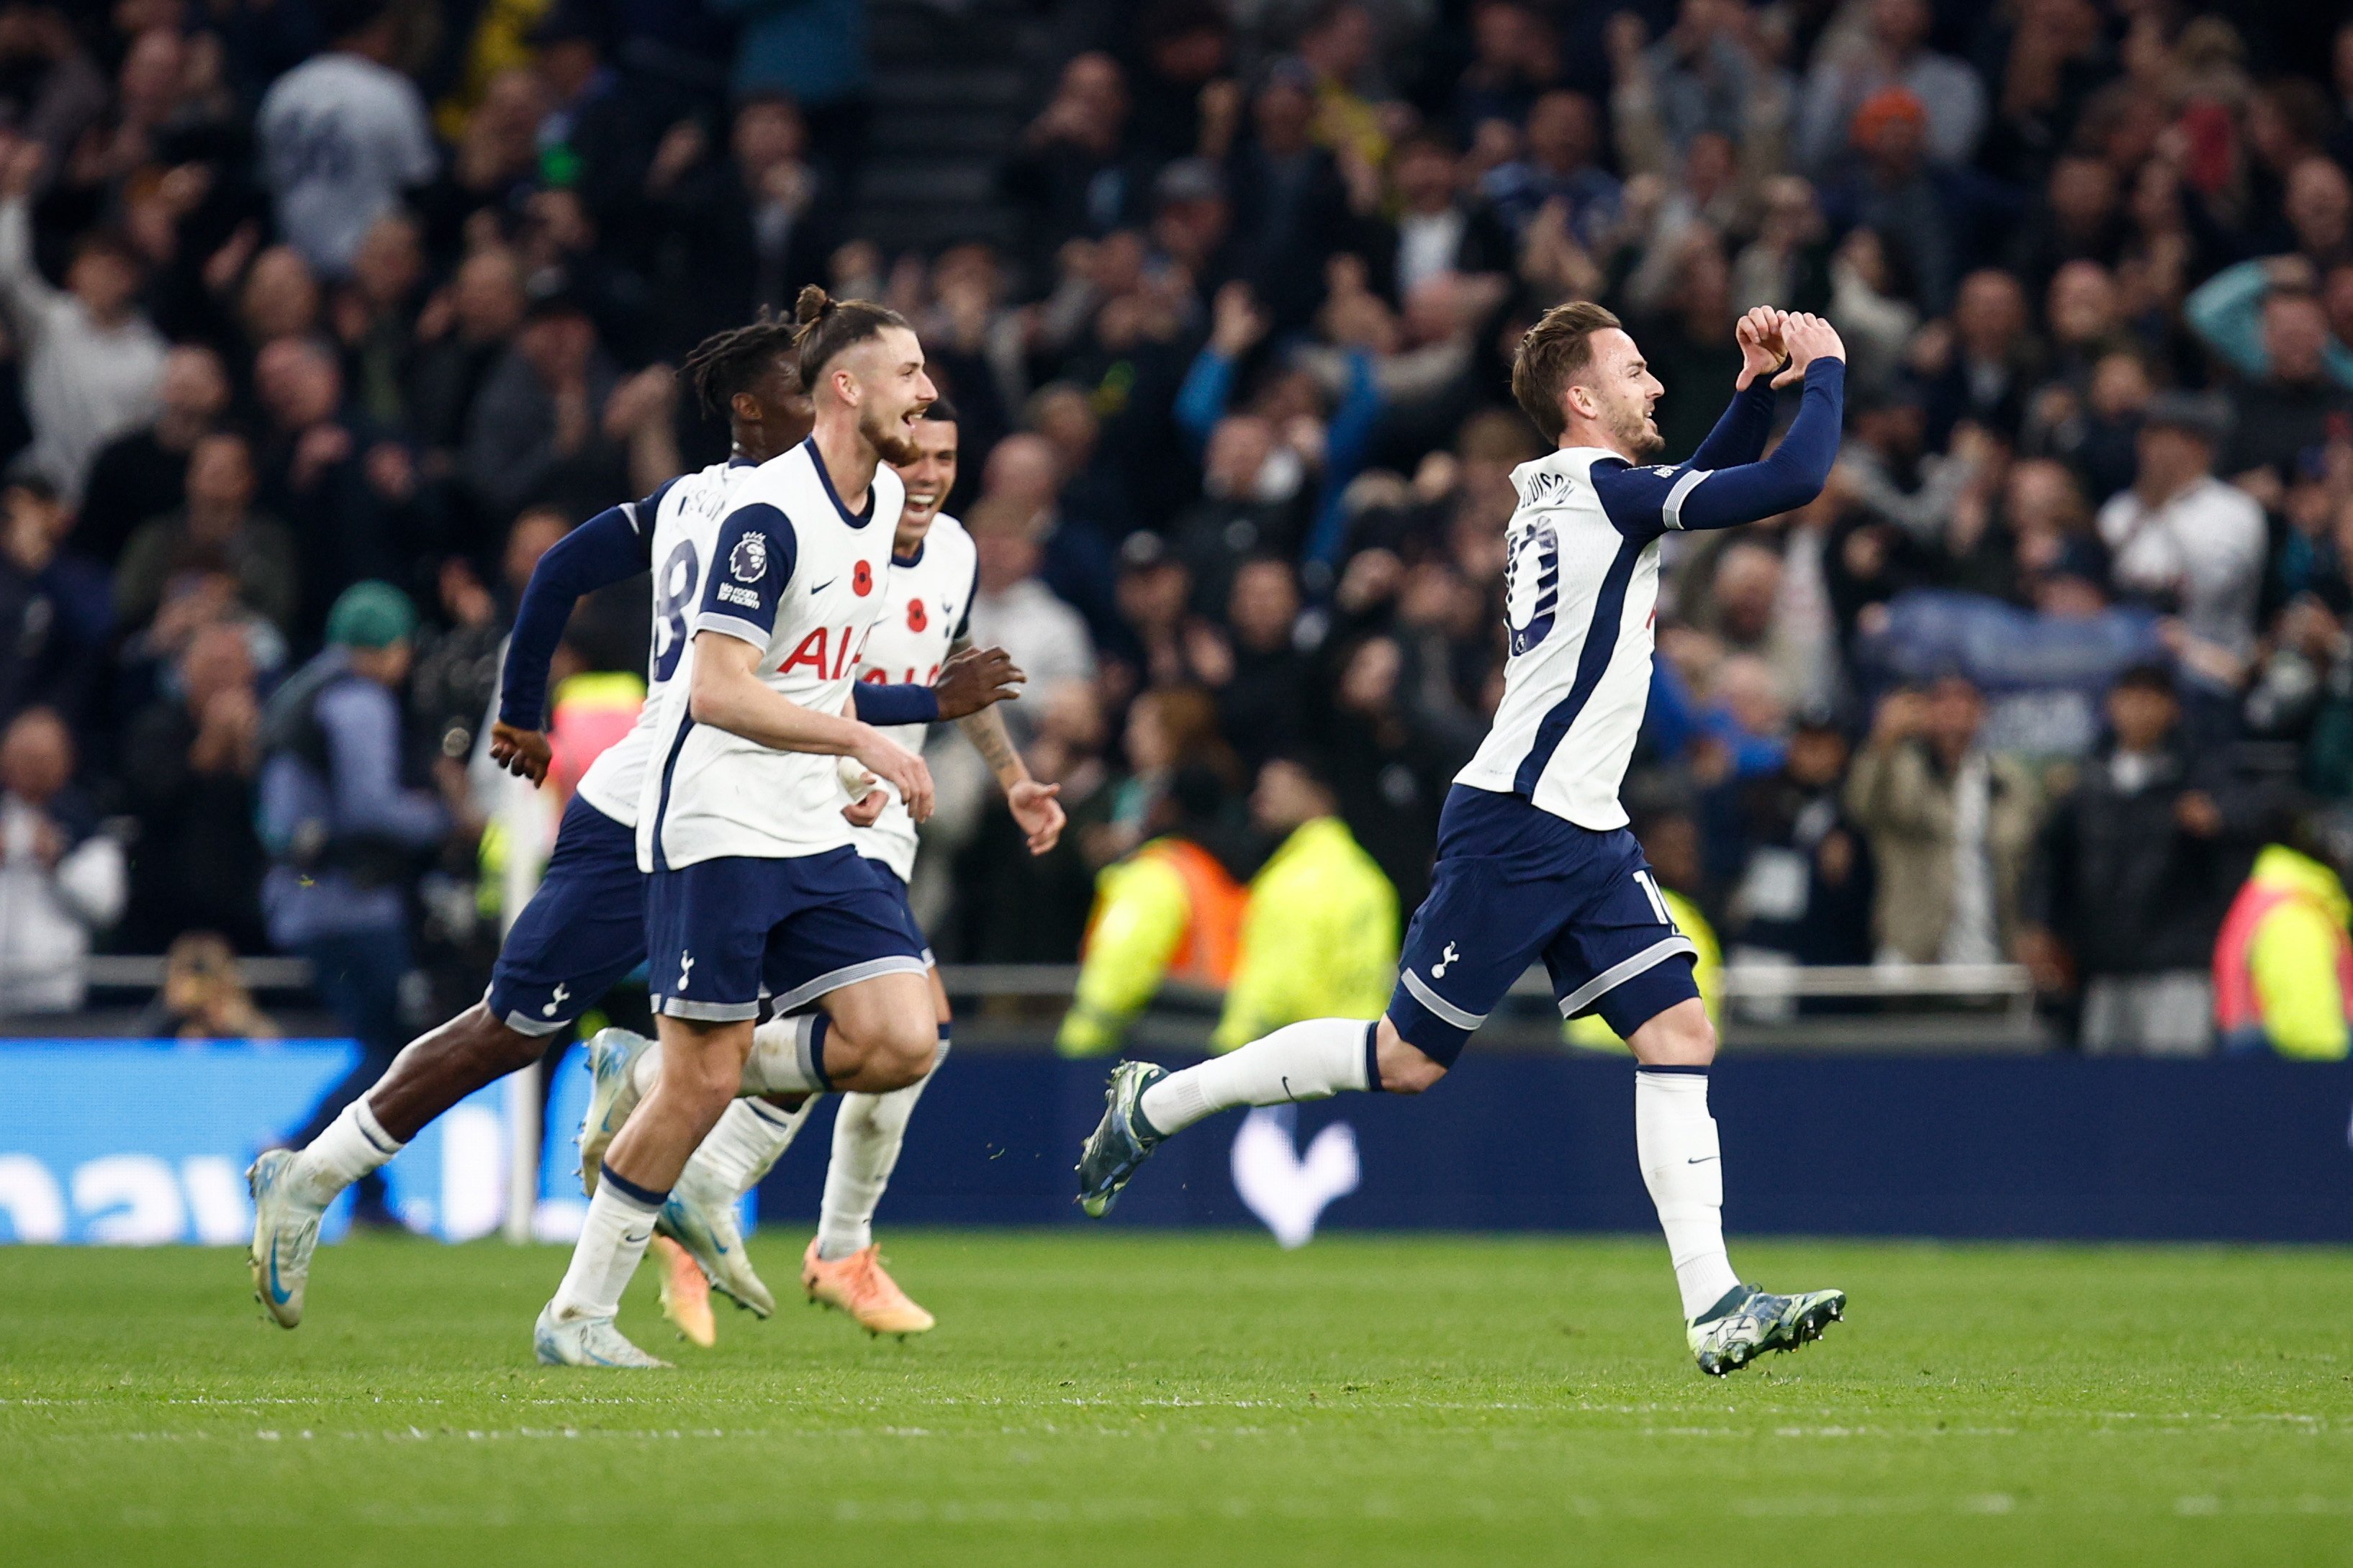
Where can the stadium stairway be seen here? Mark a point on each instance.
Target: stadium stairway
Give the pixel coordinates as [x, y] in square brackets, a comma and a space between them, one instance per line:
[951, 86]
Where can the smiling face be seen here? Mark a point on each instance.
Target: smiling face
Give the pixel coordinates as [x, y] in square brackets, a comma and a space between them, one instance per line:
[1615, 395]
[881, 376]
[929, 478]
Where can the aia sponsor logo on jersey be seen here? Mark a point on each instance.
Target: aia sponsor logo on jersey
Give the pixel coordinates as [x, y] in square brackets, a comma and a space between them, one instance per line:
[862, 579]
[916, 619]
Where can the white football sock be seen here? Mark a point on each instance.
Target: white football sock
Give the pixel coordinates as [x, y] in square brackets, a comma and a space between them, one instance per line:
[786, 1056]
[612, 1240]
[866, 1139]
[1674, 1137]
[353, 1144]
[752, 1135]
[1312, 1060]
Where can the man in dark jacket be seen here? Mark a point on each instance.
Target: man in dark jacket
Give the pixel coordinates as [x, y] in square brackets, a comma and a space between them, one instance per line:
[2137, 866]
[344, 830]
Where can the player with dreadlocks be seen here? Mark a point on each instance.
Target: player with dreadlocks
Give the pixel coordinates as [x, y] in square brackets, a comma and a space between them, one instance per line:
[585, 928]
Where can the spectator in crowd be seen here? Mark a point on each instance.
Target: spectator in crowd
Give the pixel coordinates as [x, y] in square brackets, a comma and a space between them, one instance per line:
[2286, 417]
[343, 831]
[2138, 863]
[533, 431]
[1951, 827]
[55, 619]
[1561, 165]
[1797, 866]
[216, 531]
[204, 997]
[1889, 50]
[1319, 936]
[1014, 610]
[1438, 228]
[744, 231]
[61, 880]
[462, 335]
[145, 474]
[189, 763]
[325, 474]
[1072, 176]
[2179, 538]
[1260, 678]
[344, 134]
[93, 362]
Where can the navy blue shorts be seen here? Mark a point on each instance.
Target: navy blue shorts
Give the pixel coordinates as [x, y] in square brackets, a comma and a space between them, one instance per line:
[582, 932]
[723, 933]
[1514, 883]
[898, 890]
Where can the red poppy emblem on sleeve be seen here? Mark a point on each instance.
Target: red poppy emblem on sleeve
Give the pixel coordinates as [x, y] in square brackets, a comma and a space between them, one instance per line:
[861, 580]
[916, 619]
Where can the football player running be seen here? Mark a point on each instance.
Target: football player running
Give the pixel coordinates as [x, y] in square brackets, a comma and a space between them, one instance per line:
[935, 572]
[757, 890]
[1534, 854]
[584, 929]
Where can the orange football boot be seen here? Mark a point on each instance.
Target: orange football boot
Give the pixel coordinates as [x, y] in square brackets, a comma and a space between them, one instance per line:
[685, 1293]
[859, 1286]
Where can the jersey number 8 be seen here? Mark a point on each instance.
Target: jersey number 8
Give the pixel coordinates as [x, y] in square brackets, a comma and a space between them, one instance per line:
[673, 598]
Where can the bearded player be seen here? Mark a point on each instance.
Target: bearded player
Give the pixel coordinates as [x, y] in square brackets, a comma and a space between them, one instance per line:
[1535, 858]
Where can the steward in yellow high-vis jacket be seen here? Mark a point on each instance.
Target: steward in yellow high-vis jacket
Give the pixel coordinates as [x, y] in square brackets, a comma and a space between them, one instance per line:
[1170, 910]
[2283, 964]
[1320, 937]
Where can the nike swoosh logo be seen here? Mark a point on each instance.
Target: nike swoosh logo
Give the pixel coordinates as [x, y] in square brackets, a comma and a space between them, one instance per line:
[821, 587]
[278, 1293]
[1703, 1161]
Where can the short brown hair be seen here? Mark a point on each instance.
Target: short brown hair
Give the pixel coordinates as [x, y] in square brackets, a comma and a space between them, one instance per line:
[1551, 354]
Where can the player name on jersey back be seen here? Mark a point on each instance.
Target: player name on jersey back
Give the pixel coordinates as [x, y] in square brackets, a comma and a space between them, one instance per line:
[790, 570]
[679, 520]
[925, 606]
[1578, 599]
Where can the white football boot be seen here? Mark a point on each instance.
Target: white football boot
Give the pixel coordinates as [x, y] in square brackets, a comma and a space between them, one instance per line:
[285, 1234]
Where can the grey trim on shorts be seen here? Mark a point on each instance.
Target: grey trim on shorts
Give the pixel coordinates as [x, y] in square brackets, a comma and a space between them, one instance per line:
[1422, 994]
[1616, 975]
[849, 974]
[707, 1011]
[535, 1028]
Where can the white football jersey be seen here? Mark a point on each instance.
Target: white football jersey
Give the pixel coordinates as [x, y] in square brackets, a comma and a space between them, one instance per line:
[1581, 596]
[677, 522]
[800, 576]
[925, 610]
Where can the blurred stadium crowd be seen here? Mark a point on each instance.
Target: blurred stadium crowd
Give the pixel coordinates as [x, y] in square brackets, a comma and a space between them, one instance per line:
[300, 293]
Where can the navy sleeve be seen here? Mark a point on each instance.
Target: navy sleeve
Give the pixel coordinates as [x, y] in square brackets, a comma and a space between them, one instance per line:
[751, 567]
[1739, 434]
[610, 547]
[880, 704]
[1657, 500]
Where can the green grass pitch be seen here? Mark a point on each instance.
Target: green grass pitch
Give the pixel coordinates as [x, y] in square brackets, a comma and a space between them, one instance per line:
[1126, 1397]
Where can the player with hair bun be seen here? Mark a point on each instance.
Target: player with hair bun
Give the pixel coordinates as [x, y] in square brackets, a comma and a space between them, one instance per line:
[584, 929]
[757, 893]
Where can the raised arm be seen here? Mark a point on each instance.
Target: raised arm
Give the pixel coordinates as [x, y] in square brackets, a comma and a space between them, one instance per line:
[1650, 501]
[611, 547]
[1739, 435]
